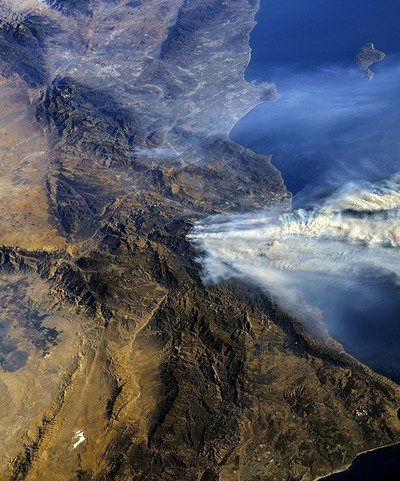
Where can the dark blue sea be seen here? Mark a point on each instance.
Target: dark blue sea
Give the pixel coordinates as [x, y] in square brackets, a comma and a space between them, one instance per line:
[332, 126]
[309, 33]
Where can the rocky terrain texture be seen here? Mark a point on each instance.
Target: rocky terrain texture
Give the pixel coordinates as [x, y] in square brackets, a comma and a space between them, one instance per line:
[116, 361]
[367, 56]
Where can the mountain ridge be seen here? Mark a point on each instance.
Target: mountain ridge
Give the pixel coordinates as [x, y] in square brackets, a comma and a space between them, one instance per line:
[165, 377]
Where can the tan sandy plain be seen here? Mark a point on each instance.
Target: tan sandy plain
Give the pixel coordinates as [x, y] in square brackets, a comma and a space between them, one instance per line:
[24, 212]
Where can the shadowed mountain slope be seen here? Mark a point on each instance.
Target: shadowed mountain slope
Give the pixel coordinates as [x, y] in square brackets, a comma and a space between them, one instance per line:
[139, 371]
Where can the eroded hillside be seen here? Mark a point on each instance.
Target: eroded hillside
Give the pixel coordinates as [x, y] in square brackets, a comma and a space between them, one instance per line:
[117, 362]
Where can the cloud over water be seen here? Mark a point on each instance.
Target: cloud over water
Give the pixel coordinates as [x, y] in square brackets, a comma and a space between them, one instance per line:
[353, 235]
[334, 137]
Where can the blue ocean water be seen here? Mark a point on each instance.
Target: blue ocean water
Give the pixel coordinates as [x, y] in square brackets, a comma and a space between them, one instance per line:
[332, 126]
[379, 465]
[310, 33]
[327, 114]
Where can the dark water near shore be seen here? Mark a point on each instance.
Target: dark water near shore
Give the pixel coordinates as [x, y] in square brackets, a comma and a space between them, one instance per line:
[332, 126]
[379, 465]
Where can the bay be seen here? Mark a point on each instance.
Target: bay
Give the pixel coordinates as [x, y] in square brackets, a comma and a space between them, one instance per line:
[332, 126]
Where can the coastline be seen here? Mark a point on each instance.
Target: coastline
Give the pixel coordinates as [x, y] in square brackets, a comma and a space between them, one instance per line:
[224, 356]
[381, 377]
[349, 466]
[262, 87]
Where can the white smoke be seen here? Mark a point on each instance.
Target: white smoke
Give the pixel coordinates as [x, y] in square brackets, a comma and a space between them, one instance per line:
[352, 235]
[157, 153]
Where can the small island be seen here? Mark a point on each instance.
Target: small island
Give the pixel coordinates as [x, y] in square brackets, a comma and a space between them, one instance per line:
[367, 56]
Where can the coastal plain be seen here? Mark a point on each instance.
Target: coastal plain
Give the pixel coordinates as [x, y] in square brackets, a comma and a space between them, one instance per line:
[117, 362]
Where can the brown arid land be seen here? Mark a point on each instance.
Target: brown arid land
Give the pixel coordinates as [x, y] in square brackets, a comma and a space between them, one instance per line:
[117, 362]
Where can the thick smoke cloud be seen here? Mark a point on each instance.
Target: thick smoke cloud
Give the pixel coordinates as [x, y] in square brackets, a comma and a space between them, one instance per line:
[334, 135]
[353, 234]
[341, 256]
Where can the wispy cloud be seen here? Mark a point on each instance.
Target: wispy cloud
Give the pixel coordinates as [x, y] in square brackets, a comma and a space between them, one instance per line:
[329, 126]
[334, 136]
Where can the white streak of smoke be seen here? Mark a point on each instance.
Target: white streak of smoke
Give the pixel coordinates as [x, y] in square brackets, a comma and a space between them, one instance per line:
[353, 234]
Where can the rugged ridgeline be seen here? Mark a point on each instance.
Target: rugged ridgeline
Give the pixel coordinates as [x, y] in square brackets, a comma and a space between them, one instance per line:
[117, 363]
